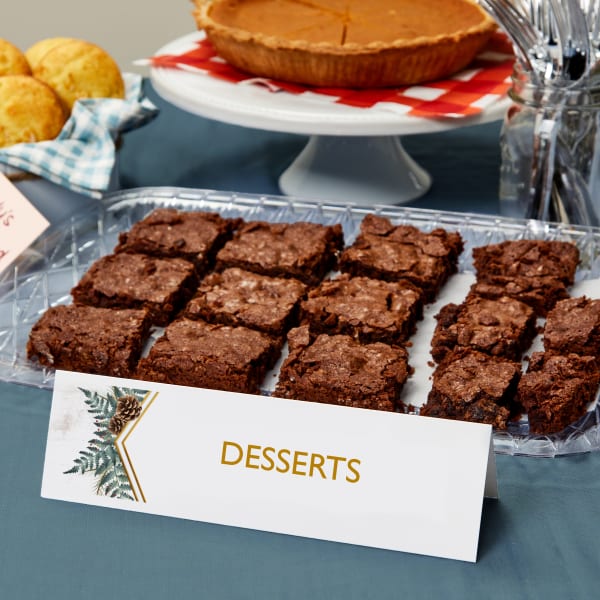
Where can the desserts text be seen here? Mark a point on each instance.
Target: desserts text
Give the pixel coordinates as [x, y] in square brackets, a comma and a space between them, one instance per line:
[294, 462]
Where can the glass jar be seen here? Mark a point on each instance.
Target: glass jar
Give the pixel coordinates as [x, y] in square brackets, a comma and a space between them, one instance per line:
[550, 159]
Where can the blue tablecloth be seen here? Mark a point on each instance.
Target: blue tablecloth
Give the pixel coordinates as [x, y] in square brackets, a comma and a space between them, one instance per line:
[541, 539]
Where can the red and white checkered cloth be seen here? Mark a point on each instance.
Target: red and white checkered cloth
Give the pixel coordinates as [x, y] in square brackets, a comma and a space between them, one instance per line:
[467, 93]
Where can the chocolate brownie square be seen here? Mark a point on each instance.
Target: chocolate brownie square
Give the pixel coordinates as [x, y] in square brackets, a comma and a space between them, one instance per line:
[541, 293]
[305, 251]
[336, 369]
[103, 341]
[473, 386]
[171, 233]
[573, 325]
[557, 389]
[369, 310]
[210, 355]
[503, 327]
[403, 252]
[527, 258]
[123, 280]
[238, 297]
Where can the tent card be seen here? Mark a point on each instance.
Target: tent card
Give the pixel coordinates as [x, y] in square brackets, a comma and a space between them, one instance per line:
[385, 480]
[20, 223]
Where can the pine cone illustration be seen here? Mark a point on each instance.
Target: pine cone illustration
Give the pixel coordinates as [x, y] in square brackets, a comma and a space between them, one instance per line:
[116, 424]
[128, 408]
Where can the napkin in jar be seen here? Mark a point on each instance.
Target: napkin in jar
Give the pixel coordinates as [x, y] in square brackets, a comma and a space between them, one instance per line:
[82, 157]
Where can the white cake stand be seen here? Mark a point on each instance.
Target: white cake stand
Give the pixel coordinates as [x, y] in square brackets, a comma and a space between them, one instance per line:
[353, 155]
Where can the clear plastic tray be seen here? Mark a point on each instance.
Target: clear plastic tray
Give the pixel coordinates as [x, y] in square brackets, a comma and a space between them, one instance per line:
[45, 274]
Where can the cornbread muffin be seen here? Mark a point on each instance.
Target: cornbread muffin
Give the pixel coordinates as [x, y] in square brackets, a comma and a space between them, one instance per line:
[30, 111]
[12, 60]
[79, 69]
[35, 53]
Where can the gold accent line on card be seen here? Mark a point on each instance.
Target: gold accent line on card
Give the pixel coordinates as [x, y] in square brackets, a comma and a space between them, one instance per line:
[117, 441]
[126, 470]
[134, 476]
[137, 422]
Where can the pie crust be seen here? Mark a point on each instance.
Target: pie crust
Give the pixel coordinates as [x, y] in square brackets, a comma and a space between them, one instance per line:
[346, 43]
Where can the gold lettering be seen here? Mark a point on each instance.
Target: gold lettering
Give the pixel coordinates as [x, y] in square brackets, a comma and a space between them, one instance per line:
[280, 454]
[267, 456]
[284, 460]
[250, 456]
[240, 450]
[299, 463]
[319, 467]
[336, 460]
[351, 464]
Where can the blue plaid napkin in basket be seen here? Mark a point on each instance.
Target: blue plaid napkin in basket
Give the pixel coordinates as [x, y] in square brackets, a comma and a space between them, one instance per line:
[83, 155]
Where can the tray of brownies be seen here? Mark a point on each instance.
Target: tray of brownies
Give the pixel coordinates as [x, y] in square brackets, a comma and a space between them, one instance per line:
[437, 314]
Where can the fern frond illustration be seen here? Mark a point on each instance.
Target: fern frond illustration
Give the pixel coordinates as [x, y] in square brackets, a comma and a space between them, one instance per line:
[100, 457]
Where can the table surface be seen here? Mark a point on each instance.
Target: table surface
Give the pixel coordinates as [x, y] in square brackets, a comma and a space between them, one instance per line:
[541, 539]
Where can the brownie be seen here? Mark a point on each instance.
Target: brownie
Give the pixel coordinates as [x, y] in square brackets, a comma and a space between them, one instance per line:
[336, 369]
[557, 389]
[541, 293]
[305, 251]
[527, 258]
[573, 325]
[238, 297]
[210, 355]
[403, 252]
[172, 233]
[160, 285]
[503, 327]
[103, 341]
[369, 310]
[473, 386]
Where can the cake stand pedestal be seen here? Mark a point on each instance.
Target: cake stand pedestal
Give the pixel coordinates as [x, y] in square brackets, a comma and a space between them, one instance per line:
[363, 170]
[353, 155]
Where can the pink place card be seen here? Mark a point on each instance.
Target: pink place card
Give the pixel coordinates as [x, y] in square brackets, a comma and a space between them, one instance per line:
[20, 223]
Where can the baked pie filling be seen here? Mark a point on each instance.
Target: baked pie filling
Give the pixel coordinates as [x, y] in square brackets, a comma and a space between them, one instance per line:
[346, 43]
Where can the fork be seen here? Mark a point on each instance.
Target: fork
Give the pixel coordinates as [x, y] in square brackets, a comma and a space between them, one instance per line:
[591, 8]
[552, 75]
[574, 38]
[526, 38]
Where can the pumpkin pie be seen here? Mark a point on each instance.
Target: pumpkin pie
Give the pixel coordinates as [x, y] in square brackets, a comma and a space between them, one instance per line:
[346, 43]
